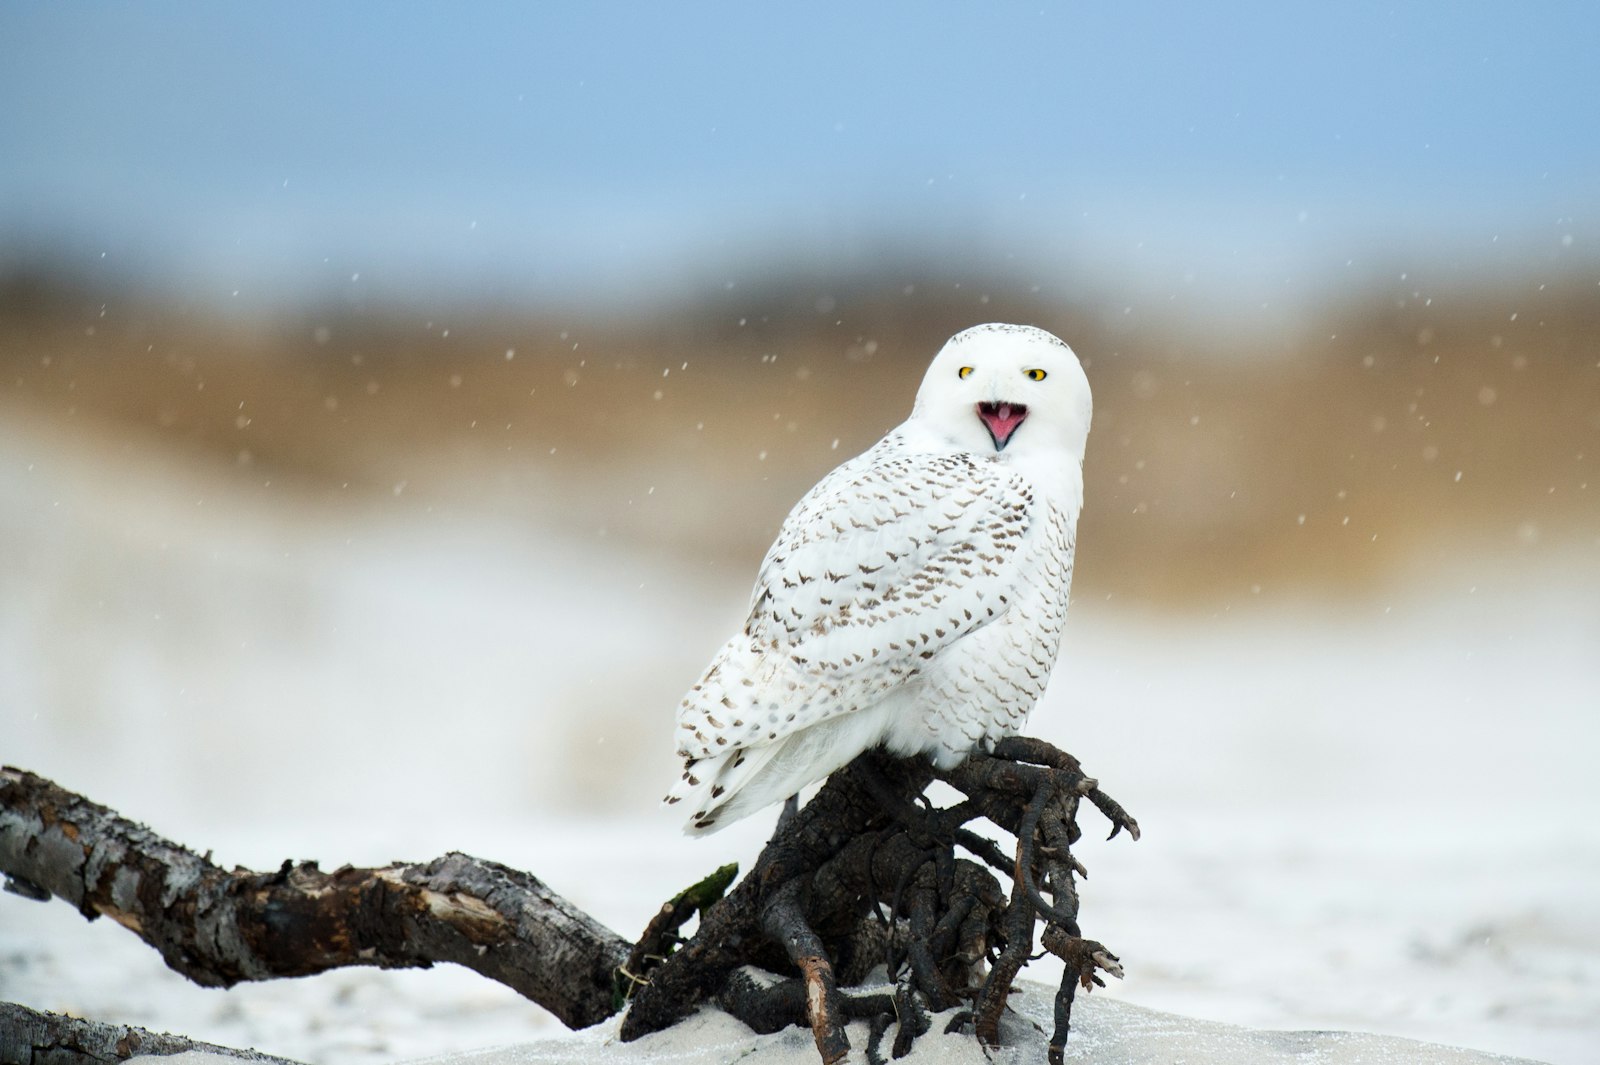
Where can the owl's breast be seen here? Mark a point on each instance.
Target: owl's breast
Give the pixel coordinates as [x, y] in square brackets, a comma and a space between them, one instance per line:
[984, 686]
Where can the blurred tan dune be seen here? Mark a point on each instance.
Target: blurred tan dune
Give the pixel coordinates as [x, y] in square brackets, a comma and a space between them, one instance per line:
[1394, 430]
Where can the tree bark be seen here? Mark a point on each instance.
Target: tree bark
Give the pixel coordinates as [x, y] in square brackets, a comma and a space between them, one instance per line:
[220, 927]
[732, 932]
[865, 873]
[30, 1037]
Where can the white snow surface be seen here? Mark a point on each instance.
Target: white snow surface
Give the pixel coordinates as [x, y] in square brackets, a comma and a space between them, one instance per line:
[1104, 1032]
[1380, 816]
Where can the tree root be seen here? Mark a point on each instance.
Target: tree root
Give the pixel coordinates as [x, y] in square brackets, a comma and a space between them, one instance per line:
[867, 875]
[860, 907]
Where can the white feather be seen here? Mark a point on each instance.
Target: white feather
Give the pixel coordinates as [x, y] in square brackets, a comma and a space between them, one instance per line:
[913, 598]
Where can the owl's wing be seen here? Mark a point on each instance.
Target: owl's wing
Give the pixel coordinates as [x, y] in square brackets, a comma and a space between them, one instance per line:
[895, 561]
[886, 562]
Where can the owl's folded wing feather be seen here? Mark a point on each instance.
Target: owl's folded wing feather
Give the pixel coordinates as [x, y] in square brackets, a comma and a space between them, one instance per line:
[908, 551]
[885, 563]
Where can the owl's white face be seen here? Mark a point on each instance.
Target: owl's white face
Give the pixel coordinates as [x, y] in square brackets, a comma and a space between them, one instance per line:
[1010, 389]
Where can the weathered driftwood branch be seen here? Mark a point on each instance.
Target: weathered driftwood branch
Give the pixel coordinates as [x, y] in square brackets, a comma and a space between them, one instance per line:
[866, 874]
[31, 1037]
[221, 927]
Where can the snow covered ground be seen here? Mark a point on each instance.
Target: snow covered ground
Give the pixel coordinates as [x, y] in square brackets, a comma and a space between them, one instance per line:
[1381, 816]
[1104, 1032]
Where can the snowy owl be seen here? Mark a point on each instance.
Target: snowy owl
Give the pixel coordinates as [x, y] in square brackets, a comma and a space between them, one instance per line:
[915, 597]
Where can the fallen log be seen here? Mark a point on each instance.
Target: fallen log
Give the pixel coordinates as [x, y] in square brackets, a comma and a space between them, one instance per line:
[866, 874]
[221, 927]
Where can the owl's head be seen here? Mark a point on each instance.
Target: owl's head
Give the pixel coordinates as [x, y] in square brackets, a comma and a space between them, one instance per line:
[1006, 388]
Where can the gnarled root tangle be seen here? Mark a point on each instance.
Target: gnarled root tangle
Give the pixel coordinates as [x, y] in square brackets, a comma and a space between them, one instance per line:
[869, 873]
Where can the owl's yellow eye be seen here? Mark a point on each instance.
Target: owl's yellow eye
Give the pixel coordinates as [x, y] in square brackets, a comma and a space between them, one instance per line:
[964, 372]
[1036, 375]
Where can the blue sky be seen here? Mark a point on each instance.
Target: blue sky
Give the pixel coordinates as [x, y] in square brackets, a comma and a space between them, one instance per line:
[546, 151]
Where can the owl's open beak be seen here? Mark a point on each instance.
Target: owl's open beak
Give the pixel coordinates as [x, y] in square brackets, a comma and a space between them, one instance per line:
[1001, 419]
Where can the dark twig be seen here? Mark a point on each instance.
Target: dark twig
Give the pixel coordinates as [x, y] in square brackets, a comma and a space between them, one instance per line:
[976, 845]
[661, 934]
[876, 1030]
[772, 1007]
[1063, 1019]
[923, 903]
[1018, 930]
[784, 921]
[913, 1019]
[1061, 867]
[1084, 959]
[786, 815]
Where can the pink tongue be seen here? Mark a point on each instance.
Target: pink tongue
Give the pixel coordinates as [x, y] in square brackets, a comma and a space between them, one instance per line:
[1004, 421]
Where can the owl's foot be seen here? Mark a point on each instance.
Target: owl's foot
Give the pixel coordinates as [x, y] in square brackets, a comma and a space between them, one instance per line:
[1018, 765]
[1026, 749]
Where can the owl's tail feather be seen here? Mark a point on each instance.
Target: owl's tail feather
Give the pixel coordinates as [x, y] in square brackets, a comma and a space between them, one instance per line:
[720, 790]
